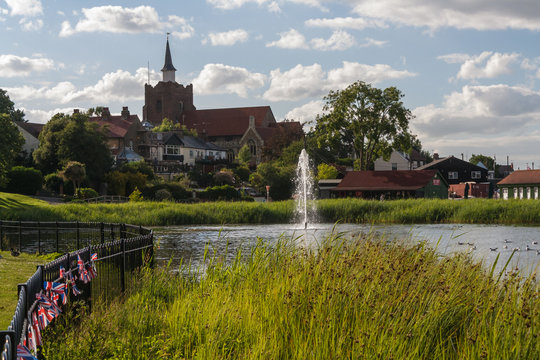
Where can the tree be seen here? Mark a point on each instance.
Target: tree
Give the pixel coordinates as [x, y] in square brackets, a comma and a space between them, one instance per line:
[11, 142]
[244, 154]
[280, 179]
[326, 171]
[8, 107]
[73, 138]
[364, 120]
[284, 135]
[488, 161]
[168, 125]
[76, 172]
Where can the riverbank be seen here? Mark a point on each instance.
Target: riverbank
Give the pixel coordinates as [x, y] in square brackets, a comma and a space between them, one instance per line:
[349, 299]
[413, 211]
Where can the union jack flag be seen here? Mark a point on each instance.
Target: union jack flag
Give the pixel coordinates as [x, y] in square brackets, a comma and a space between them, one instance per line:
[93, 257]
[37, 332]
[24, 353]
[75, 290]
[56, 290]
[62, 272]
[47, 303]
[92, 272]
[30, 343]
[80, 264]
[43, 319]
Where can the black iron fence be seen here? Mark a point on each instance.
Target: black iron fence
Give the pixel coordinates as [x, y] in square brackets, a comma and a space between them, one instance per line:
[120, 249]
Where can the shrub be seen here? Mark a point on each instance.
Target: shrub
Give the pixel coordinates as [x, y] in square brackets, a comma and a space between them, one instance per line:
[163, 194]
[86, 193]
[23, 180]
[177, 191]
[242, 172]
[135, 195]
[121, 183]
[53, 182]
[225, 192]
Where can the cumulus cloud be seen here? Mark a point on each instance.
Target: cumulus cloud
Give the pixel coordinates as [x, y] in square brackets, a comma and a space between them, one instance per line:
[346, 23]
[369, 42]
[435, 14]
[487, 65]
[225, 79]
[307, 112]
[13, 65]
[43, 116]
[303, 82]
[119, 86]
[291, 39]
[31, 25]
[227, 38]
[272, 5]
[340, 40]
[117, 19]
[487, 110]
[25, 7]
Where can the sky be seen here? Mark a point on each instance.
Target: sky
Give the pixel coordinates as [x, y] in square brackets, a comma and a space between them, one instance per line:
[469, 70]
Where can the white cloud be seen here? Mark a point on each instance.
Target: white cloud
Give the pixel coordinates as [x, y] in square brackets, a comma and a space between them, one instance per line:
[116, 86]
[486, 65]
[116, 19]
[13, 65]
[31, 25]
[340, 40]
[435, 14]
[227, 38]
[307, 112]
[291, 39]
[346, 23]
[303, 82]
[25, 7]
[43, 116]
[225, 79]
[272, 5]
[478, 110]
[369, 42]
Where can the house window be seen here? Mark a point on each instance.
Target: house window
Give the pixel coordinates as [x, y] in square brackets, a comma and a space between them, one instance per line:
[172, 149]
[394, 166]
[521, 193]
[536, 192]
[476, 174]
[191, 154]
[230, 155]
[515, 193]
[528, 192]
[505, 194]
[452, 175]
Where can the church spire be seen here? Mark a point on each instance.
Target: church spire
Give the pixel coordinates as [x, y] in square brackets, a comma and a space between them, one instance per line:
[168, 69]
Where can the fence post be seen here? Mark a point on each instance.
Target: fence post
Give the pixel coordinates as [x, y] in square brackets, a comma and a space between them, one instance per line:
[102, 230]
[20, 235]
[39, 238]
[112, 232]
[123, 270]
[78, 237]
[1, 237]
[122, 231]
[12, 352]
[57, 238]
[19, 289]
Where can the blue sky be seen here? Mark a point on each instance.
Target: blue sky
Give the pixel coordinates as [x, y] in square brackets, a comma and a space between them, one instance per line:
[469, 70]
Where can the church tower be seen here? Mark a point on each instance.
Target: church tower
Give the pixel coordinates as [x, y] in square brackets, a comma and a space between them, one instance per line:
[168, 99]
[168, 69]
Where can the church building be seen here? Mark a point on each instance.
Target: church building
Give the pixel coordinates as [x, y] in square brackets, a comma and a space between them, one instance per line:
[228, 128]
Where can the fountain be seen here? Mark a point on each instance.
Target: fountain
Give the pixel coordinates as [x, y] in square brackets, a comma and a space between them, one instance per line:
[304, 193]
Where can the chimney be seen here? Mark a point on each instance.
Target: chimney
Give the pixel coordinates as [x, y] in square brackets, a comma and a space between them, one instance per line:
[251, 121]
[125, 113]
[105, 113]
[462, 158]
[435, 156]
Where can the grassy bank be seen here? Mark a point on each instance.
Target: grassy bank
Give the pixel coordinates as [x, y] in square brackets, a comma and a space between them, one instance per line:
[481, 211]
[13, 271]
[352, 299]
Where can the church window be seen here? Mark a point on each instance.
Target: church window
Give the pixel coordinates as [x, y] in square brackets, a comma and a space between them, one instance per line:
[230, 155]
[252, 147]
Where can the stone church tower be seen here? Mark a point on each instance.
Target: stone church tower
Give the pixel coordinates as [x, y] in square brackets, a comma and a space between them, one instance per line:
[168, 99]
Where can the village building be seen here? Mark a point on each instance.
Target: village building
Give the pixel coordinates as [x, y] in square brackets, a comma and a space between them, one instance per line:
[30, 133]
[390, 184]
[228, 128]
[456, 171]
[520, 184]
[400, 160]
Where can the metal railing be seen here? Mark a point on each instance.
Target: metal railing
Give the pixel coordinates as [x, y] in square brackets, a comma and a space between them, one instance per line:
[107, 199]
[121, 249]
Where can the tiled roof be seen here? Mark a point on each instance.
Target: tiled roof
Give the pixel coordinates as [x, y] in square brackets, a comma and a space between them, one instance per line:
[225, 122]
[434, 162]
[385, 180]
[117, 127]
[521, 177]
[32, 128]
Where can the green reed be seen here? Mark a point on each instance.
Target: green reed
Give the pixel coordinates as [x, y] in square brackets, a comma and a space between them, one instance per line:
[345, 299]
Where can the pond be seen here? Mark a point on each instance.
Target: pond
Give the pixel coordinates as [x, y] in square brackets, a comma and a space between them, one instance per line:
[484, 242]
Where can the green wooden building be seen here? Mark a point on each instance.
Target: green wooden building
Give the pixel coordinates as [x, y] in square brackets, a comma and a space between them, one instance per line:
[521, 184]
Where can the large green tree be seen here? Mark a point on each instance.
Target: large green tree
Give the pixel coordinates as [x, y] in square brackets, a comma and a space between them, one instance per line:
[488, 161]
[73, 138]
[11, 142]
[8, 107]
[364, 122]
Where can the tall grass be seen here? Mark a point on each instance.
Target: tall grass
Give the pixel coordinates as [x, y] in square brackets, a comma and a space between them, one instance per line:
[348, 299]
[484, 211]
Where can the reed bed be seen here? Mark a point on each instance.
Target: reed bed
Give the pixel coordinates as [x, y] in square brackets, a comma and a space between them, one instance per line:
[344, 299]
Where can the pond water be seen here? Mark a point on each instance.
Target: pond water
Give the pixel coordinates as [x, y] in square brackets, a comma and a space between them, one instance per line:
[187, 243]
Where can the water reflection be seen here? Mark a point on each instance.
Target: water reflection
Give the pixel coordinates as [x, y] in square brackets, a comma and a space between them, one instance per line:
[187, 243]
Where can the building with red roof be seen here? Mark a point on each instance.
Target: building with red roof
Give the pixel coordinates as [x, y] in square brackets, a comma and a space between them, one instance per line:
[393, 184]
[228, 128]
[521, 184]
